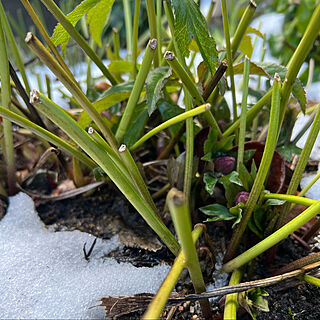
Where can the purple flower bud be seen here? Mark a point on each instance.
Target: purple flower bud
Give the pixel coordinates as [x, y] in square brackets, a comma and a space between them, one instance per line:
[242, 196]
[224, 164]
[222, 123]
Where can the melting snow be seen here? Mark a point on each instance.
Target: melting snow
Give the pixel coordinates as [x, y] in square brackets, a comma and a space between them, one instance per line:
[43, 274]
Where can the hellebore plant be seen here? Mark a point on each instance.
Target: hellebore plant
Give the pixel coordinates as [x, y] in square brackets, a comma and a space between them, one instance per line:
[137, 113]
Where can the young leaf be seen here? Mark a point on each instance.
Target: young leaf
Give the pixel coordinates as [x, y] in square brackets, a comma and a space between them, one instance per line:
[121, 66]
[237, 212]
[210, 182]
[245, 177]
[211, 141]
[246, 45]
[97, 17]
[60, 35]
[274, 202]
[218, 211]
[154, 83]
[191, 24]
[234, 178]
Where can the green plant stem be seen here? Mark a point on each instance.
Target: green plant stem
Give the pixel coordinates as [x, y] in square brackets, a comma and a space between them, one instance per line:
[136, 177]
[59, 15]
[190, 86]
[188, 171]
[181, 219]
[184, 76]
[273, 239]
[298, 57]
[78, 177]
[159, 301]
[229, 56]
[137, 88]
[242, 26]
[304, 128]
[135, 37]
[103, 159]
[46, 38]
[81, 98]
[289, 198]
[181, 117]
[161, 191]
[152, 19]
[128, 24]
[48, 85]
[263, 169]
[310, 279]
[8, 152]
[243, 116]
[301, 165]
[231, 305]
[309, 185]
[13, 46]
[116, 43]
[159, 28]
[47, 136]
[210, 10]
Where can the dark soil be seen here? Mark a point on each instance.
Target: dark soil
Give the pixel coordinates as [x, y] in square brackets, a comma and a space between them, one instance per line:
[106, 213]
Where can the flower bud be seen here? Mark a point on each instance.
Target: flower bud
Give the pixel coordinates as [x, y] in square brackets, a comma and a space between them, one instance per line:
[242, 196]
[224, 164]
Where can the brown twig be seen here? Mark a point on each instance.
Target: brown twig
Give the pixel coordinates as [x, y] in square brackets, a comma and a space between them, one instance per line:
[215, 79]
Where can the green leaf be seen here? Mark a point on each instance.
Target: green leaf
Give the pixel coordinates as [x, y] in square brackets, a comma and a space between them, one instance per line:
[210, 182]
[60, 35]
[107, 99]
[274, 202]
[255, 31]
[245, 177]
[237, 212]
[246, 45]
[97, 17]
[154, 83]
[139, 121]
[254, 69]
[234, 178]
[286, 151]
[191, 24]
[218, 211]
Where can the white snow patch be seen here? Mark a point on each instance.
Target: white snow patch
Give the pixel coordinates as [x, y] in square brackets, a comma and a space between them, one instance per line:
[314, 191]
[299, 124]
[44, 275]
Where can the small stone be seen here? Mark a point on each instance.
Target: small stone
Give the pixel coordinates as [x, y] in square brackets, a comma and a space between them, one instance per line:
[194, 316]
[224, 164]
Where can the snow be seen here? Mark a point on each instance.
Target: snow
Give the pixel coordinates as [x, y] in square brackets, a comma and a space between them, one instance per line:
[314, 191]
[43, 274]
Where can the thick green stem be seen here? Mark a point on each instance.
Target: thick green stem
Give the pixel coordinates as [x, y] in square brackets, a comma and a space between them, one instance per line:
[181, 117]
[159, 28]
[103, 159]
[289, 198]
[181, 219]
[152, 19]
[310, 279]
[229, 56]
[159, 301]
[188, 172]
[135, 37]
[13, 46]
[231, 305]
[60, 73]
[6, 101]
[46, 38]
[137, 88]
[242, 26]
[263, 169]
[273, 239]
[301, 165]
[128, 23]
[58, 14]
[243, 116]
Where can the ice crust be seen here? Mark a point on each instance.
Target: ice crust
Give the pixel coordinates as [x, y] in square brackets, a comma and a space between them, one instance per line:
[44, 275]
